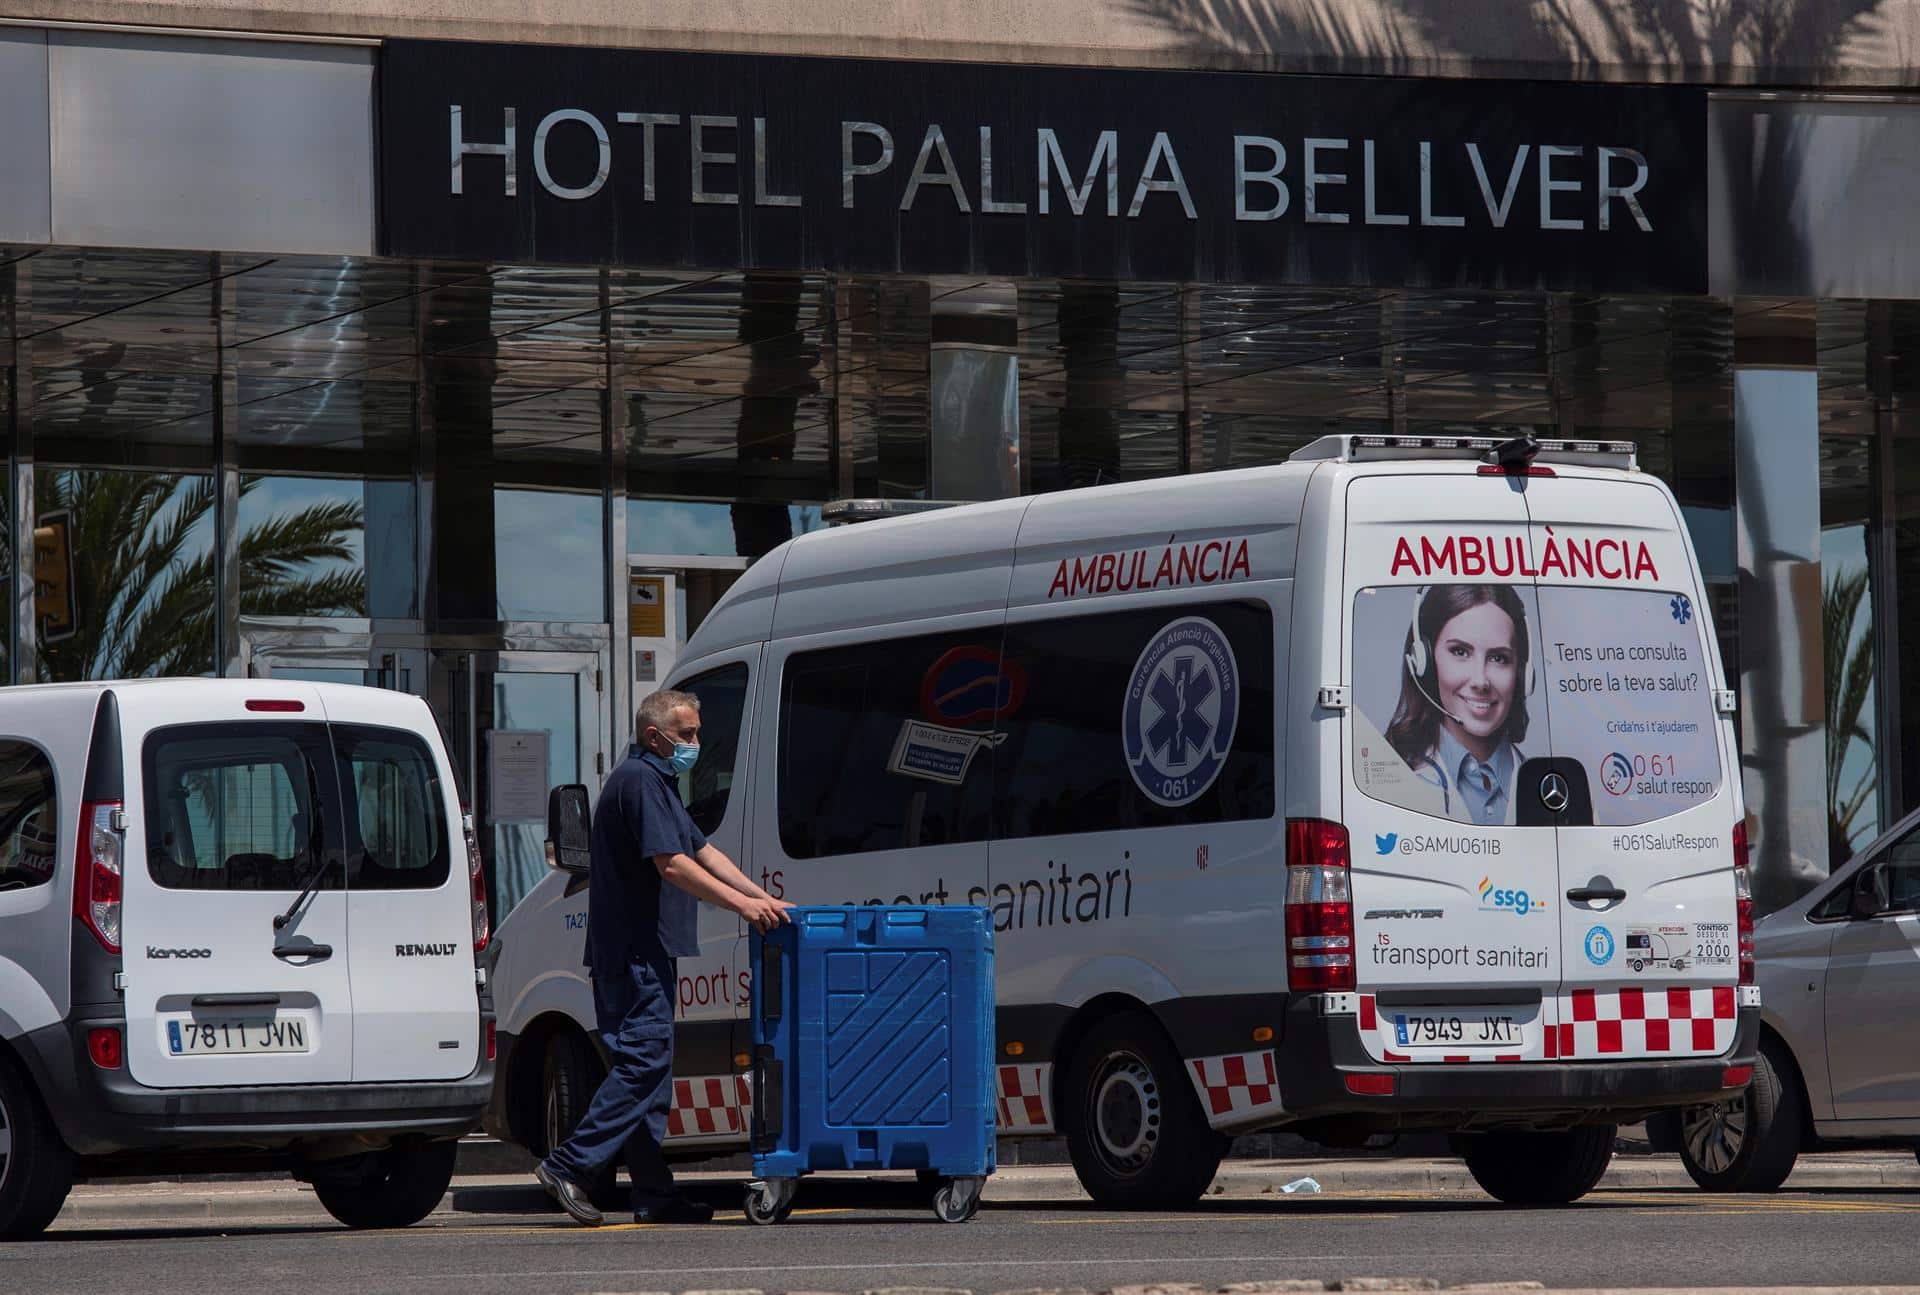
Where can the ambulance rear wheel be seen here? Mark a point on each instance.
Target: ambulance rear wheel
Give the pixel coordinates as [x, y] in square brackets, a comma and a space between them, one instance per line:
[1535, 1168]
[569, 1079]
[1135, 1130]
[393, 1188]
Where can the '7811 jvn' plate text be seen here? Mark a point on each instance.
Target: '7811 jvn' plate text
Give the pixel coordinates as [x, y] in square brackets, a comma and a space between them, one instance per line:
[210, 1036]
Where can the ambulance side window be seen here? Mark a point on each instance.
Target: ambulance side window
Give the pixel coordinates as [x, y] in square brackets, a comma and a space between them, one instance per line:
[723, 702]
[1138, 719]
[883, 744]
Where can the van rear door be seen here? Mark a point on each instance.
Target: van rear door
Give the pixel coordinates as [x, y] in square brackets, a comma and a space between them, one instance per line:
[1647, 911]
[236, 812]
[1454, 873]
[409, 898]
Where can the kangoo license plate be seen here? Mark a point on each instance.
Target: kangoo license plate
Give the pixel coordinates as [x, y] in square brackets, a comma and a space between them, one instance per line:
[211, 1036]
[1459, 1030]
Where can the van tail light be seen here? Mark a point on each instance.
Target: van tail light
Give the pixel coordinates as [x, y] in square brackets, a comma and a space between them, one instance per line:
[1743, 901]
[96, 872]
[105, 1047]
[477, 880]
[1319, 907]
[493, 1041]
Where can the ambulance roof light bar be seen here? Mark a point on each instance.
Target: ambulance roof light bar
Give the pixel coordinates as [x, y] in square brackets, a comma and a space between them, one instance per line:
[846, 512]
[1352, 448]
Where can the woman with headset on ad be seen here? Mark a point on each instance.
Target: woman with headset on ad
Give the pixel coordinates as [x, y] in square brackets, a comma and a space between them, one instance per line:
[1466, 672]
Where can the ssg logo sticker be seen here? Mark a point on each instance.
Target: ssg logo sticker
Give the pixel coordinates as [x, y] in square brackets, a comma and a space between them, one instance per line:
[1179, 714]
[1506, 899]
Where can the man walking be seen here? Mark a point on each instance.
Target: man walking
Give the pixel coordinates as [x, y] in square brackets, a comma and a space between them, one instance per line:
[651, 866]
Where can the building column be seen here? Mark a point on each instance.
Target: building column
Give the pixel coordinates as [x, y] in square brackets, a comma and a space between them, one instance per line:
[226, 471]
[24, 663]
[973, 371]
[613, 427]
[1777, 535]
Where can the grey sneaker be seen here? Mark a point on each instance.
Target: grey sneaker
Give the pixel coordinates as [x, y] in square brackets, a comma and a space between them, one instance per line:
[571, 1195]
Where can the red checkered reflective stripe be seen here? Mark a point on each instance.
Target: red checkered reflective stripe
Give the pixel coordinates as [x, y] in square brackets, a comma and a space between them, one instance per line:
[1024, 1098]
[1586, 1024]
[703, 1107]
[1236, 1083]
[1638, 1022]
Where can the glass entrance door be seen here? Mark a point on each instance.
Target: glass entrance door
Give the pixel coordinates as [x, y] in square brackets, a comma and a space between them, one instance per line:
[519, 723]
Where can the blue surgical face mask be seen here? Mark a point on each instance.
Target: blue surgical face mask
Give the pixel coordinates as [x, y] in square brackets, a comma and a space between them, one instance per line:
[685, 756]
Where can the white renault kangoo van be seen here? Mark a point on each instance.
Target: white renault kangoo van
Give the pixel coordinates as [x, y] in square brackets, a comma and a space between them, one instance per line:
[1393, 787]
[241, 924]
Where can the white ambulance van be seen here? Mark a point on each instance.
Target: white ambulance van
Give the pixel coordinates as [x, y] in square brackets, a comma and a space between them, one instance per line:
[1328, 796]
[242, 927]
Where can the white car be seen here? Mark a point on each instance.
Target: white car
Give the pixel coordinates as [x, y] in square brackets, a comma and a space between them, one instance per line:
[241, 926]
[1325, 796]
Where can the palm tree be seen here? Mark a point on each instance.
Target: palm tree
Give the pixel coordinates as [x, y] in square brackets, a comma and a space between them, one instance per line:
[143, 581]
[1849, 679]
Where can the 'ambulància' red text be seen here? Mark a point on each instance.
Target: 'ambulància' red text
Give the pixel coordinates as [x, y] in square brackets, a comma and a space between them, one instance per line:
[1605, 558]
[1141, 569]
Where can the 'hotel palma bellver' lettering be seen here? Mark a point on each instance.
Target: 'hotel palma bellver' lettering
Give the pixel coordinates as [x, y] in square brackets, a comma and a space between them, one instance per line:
[1565, 185]
[740, 162]
[1507, 556]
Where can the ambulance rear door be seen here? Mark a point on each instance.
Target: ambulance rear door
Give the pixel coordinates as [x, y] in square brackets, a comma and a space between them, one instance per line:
[1455, 875]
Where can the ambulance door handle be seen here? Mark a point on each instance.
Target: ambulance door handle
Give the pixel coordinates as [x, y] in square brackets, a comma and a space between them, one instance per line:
[1596, 894]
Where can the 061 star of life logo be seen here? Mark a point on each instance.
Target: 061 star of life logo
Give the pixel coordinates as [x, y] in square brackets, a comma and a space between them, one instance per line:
[1180, 711]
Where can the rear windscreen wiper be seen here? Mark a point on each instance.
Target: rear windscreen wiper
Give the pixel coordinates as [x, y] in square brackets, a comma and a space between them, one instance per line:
[314, 847]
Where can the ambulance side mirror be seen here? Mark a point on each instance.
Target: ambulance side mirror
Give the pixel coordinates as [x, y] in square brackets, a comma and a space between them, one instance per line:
[569, 827]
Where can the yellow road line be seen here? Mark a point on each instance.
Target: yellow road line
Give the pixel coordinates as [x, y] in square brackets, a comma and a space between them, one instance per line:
[1209, 1217]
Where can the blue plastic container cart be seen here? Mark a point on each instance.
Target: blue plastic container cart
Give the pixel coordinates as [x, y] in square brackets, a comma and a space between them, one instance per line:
[873, 1049]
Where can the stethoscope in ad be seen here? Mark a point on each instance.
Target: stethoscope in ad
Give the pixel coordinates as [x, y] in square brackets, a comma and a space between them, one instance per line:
[1417, 659]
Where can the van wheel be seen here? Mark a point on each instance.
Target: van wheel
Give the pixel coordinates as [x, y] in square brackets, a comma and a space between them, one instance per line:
[36, 1169]
[1135, 1131]
[569, 1079]
[1539, 1168]
[1747, 1143]
[395, 1188]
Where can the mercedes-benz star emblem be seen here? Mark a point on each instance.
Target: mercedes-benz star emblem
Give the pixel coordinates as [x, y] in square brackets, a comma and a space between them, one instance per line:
[1553, 792]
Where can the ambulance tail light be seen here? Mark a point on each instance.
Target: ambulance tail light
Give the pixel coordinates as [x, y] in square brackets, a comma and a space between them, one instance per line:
[1319, 907]
[1743, 901]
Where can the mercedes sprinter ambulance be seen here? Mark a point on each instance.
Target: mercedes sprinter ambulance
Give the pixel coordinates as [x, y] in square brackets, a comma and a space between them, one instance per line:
[1346, 795]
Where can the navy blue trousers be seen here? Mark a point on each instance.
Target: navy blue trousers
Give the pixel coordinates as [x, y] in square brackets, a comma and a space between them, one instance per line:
[634, 1009]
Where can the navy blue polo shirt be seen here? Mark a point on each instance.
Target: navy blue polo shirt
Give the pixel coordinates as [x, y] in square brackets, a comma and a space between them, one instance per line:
[633, 914]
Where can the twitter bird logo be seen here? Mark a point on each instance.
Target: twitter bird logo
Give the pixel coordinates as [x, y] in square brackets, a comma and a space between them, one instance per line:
[1385, 844]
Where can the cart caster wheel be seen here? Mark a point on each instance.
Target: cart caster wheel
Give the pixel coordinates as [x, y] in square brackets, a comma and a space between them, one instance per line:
[957, 1200]
[769, 1202]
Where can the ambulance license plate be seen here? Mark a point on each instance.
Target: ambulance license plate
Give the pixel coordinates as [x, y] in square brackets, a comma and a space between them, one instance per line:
[211, 1036]
[1455, 1029]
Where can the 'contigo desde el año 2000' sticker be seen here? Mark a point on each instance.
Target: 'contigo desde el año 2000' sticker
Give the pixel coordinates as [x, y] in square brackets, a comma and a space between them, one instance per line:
[1181, 707]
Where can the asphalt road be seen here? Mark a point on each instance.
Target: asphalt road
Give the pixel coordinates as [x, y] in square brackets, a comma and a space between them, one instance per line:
[857, 1238]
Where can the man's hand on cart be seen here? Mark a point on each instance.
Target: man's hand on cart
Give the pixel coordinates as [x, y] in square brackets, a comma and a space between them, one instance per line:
[763, 911]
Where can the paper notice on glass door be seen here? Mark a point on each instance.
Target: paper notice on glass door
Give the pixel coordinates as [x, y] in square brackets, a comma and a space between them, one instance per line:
[517, 775]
